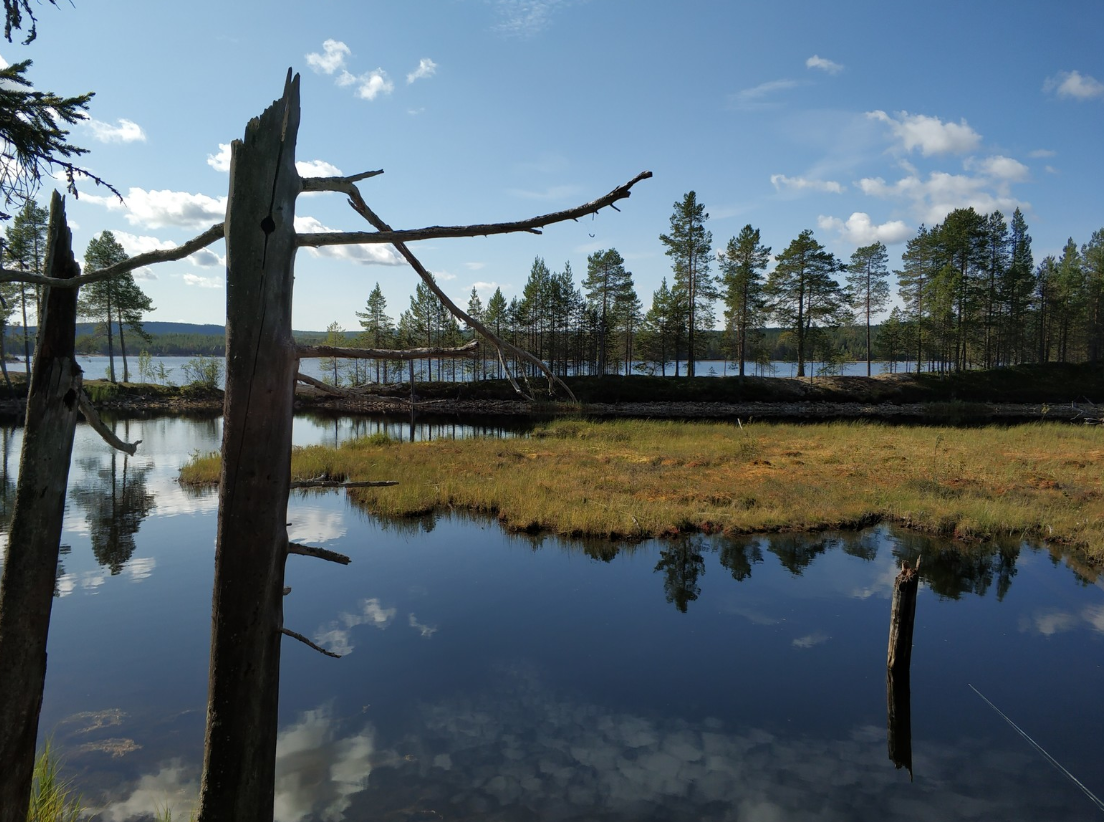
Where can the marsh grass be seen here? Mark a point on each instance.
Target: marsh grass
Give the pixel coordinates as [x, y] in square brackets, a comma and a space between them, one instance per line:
[639, 478]
[52, 800]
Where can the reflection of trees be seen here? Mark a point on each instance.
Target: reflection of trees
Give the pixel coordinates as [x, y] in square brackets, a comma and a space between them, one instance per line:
[7, 479]
[796, 552]
[861, 544]
[682, 563]
[739, 554]
[952, 570]
[115, 501]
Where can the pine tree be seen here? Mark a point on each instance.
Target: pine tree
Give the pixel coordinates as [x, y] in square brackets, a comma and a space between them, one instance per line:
[377, 328]
[1016, 289]
[497, 319]
[114, 301]
[1092, 260]
[742, 268]
[803, 293]
[866, 281]
[606, 285]
[689, 245]
[25, 250]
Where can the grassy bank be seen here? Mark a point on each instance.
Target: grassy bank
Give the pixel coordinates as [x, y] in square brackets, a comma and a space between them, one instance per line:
[637, 478]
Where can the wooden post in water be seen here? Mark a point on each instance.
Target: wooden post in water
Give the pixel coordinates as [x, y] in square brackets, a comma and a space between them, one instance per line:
[899, 657]
[30, 565]
[252, 542]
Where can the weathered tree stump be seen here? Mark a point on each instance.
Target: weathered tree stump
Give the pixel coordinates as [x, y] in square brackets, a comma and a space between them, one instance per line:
[252, 542]
[898, 662]
[30, 566]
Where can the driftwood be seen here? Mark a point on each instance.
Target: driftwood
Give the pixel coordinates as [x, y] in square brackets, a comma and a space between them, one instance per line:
[98, 426]
[30, 568]
[898, 660]
[317, 553]
[306, 352]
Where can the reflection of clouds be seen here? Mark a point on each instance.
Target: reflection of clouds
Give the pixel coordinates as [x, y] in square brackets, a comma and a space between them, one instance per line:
[317, 773]
[336, 636]
[89, 581]
[809, 640]
[1048, 623]
[881, 585]
[751, 615]
[312, 525]
[140, 568]
[426, 630]
[173, 787]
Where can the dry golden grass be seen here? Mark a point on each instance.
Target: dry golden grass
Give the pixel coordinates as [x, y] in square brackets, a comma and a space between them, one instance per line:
[644, 478]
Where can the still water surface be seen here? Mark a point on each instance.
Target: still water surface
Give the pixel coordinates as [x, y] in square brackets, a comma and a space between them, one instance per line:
[497, 676]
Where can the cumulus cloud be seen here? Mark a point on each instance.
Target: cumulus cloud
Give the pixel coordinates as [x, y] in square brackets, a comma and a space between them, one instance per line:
[124, 131]
[1074, 85]
[426, 68]
[202, 282]
[934, 198]
[1042, 153]
[783, 183]
[205, 258]
[756, 97]
[371, 254]
[159, 209]
[317, 168]
[818, 62]
[1000, 167]
[221, 160]
[331, 58]
[859, 229]
[929, 134]
[337, 635]
[134, 244]
[372, 85]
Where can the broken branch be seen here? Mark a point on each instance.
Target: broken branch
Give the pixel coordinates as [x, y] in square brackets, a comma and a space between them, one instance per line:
[318, 553]
[307, 642]
[342, 184]
[98, 426]
[385, 234]
[165, 255]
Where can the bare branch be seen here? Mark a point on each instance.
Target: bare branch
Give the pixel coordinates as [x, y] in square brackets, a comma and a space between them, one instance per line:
[98, 426]
[287, 590]
[318, 553]
[307, 642]
[342, 184]
[326, 387]
[388, 235]
[320, 483]
[306, 352]
[361, 207]
[166, 255]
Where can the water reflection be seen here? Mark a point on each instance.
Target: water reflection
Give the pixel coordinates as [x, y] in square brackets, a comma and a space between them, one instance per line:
[952, 570]
[739, 554]
[116, 501]
[682, 563]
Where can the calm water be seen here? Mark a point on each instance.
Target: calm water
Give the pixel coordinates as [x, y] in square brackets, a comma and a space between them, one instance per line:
[95, 368]
[498, 676]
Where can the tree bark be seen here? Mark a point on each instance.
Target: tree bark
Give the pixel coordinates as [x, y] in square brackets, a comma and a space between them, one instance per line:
[898, 662]
[30, 569]
[252, 543]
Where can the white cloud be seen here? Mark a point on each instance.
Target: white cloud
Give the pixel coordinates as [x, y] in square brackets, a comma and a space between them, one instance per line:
[317, 168]
[220, 161]
[484, 287]
[331, 59]
[823, 64]
[525, 18]
[126, 131]
[205, 258]
[1042, 153]
[1050, 170]
[756, 96]
[933, 199]
[134, 244]
[369, 254]
[426, 631]
[202, 282]
[158, 209]
[782, 182]
[426, 68]
[1000, 167]
[373, 84]
[1074, 84]
[929, 134]
[859, 229]
[475, 266]
[550, 193]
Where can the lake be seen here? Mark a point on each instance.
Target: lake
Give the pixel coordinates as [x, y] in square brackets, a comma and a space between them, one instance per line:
[516, 677]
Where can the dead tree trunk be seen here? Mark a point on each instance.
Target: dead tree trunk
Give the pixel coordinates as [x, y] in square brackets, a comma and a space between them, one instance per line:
[899, 657]
[30, 568]
[252, 543]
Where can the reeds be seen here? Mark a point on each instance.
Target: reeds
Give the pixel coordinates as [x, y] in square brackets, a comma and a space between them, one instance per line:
[52, 800]
[637, 478]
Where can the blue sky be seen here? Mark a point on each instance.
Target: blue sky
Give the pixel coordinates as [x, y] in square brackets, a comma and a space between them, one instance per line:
[858, 120]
